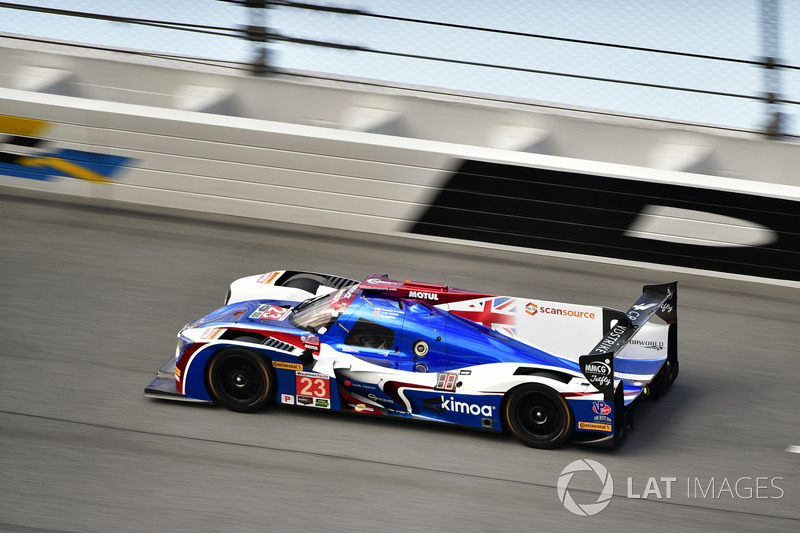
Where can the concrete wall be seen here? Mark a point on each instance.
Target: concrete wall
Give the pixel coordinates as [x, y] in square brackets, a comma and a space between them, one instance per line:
[335, 155]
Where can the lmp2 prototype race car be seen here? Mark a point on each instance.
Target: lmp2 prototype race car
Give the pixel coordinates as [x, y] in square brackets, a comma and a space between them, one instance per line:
[548, 372]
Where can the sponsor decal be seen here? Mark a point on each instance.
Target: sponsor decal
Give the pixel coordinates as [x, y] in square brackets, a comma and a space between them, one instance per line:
[423, 295]
[287, 399]
[267, 278]
[212, 333]
[386, 313]
[375, 398]
[383, 284]
[611, 338]
[313, 389]
[599, 370]
[465, 372]
[270, 312]
[362, 408]
[454, 406]
[601, 408]
[287, 366]
[594, 426]
[651, 345]
[533, 309]
[600, 374]
[420, 367]
[365, 386]
[643, 307]
[343, 297]
[25, 154]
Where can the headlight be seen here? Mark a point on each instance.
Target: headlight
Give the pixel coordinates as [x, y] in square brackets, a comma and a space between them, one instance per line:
[182, 343]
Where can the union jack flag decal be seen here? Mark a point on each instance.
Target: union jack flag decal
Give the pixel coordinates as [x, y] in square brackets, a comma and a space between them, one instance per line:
[499, 314]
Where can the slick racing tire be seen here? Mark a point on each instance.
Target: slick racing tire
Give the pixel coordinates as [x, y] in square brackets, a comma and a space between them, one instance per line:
[538, 416]
[240, 380]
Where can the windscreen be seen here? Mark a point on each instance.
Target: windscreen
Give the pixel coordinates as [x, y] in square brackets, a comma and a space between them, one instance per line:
[318, 314]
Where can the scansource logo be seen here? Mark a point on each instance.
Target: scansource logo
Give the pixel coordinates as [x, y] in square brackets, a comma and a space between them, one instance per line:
[532, 309]
[585, 465]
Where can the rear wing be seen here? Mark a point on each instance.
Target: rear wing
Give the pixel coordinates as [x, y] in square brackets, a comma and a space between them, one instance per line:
[659, 300]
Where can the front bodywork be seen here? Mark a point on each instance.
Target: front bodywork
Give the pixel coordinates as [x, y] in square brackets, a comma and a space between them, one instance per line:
[429, 352]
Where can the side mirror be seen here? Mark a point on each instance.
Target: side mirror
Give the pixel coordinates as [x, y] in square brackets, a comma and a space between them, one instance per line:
[311, 343]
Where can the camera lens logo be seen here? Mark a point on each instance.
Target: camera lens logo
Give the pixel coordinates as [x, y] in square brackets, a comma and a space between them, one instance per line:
[587, 509]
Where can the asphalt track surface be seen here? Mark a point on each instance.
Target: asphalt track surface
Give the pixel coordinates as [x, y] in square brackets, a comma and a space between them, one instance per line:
[92, 297]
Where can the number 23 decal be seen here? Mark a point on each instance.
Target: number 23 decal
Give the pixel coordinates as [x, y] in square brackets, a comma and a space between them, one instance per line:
[313, 385]
[317, 387]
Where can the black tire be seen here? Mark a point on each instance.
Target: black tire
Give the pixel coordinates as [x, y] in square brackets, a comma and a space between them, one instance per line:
[240, 380]
[538, 416]
[307, 284]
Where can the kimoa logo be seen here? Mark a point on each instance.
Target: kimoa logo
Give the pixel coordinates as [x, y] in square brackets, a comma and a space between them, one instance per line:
[454, 406]
[603, 499]
[423, 295]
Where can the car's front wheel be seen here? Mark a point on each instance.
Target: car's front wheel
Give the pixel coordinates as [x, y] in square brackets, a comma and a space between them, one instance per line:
[538, 416]
[240, 380]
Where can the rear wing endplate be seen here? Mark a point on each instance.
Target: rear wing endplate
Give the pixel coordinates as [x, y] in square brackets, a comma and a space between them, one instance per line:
[598, 365]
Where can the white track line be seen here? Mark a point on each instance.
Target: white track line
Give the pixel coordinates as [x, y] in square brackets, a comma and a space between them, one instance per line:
[793, 449]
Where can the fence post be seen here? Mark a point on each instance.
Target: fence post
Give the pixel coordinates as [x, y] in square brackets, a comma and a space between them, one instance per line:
[257, 34]
[770, 41]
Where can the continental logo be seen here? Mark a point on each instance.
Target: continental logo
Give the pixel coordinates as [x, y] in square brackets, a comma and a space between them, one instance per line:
[287, 366]
[594, 426]
[25, 154]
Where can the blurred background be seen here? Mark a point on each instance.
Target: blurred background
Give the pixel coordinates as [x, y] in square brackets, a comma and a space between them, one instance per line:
[727, 64]
[244, 132]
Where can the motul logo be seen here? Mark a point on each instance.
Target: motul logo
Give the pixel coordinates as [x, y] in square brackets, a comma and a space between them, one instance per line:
[423, 295]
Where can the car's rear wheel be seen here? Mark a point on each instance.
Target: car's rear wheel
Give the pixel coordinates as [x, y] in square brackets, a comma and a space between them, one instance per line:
[240, 380]
[538, 416]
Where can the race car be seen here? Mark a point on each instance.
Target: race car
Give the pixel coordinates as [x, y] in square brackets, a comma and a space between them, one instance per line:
[547, 372]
